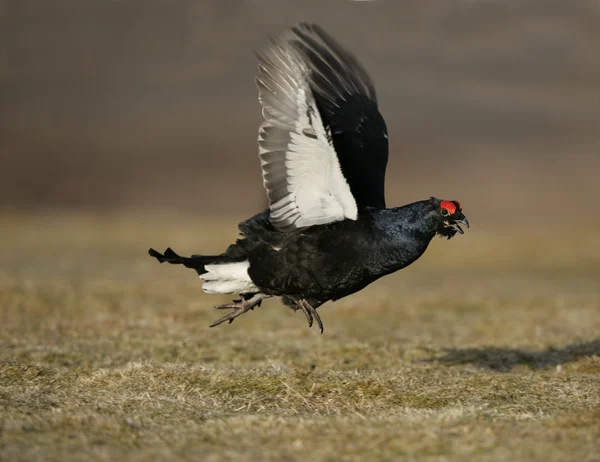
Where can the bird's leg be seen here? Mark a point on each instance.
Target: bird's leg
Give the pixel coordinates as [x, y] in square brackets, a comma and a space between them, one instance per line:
[238, 307]
[310, 313]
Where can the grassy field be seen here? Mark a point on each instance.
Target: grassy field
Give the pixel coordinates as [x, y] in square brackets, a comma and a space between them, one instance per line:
[486, 349]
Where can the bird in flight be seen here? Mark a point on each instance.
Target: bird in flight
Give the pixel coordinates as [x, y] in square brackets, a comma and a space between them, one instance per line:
[323, 148]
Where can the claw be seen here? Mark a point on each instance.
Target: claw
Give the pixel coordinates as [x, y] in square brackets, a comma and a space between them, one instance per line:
[238, 308]
[228, 306]
[310, 313]
[306, 312]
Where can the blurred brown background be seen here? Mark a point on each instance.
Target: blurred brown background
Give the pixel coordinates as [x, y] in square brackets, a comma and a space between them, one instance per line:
[147, 104]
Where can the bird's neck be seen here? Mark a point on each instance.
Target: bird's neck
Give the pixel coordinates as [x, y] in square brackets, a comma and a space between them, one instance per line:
[405, 233]
[412, 219]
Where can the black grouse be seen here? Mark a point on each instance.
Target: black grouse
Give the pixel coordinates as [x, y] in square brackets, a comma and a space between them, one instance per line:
[323, 148]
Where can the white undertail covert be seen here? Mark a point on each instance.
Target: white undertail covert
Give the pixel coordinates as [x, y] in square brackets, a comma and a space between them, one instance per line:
[228, 278]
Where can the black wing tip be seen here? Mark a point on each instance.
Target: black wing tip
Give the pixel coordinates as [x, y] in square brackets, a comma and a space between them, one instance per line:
[307, 26]
[304, 30]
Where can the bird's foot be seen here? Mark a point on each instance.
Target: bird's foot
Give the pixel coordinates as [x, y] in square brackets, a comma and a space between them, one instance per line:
[310, 313]
[238, 307]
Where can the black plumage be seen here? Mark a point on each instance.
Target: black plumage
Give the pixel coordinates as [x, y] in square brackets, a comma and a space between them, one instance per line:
[332, 236]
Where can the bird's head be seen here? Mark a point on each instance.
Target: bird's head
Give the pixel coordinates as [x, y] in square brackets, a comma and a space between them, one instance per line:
[449, 217]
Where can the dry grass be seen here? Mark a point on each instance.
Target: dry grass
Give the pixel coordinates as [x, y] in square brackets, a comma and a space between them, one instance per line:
[487, 349]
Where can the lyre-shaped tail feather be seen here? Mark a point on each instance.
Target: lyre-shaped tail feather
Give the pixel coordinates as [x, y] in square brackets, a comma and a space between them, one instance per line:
[196, 262]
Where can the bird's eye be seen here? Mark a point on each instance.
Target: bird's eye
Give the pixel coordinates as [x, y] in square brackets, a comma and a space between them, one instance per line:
[445, 212]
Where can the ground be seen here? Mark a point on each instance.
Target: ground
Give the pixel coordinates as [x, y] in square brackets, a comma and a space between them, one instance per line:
[488, 348]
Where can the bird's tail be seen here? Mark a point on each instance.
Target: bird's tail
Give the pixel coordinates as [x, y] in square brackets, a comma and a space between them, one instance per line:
[197, 262]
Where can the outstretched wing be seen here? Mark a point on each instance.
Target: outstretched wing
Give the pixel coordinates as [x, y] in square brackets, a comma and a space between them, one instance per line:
[346, 99]
[300, 167]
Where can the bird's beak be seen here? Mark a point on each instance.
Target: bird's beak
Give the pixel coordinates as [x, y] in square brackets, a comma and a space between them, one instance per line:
[461, 220]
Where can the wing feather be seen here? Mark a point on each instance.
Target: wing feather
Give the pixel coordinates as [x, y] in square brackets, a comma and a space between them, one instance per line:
[347, 102]
[301, 170]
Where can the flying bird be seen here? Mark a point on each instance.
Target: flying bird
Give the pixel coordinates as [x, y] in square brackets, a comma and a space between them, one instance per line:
[323, 148]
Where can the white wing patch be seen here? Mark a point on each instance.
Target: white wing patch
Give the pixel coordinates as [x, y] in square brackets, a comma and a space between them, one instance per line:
[228, 278]
[301, 170]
